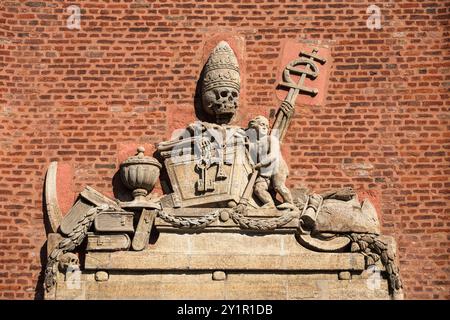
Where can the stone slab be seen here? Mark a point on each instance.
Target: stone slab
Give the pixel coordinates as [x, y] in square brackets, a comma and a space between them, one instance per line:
[200, 285]
[227, 251]
[182, 266]
[108, 242]
[143, 260]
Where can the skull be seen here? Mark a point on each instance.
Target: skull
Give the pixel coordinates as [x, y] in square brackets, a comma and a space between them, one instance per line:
[221, 102]
[68, 259]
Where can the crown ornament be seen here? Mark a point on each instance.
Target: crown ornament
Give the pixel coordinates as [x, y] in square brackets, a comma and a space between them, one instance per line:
[221, 69]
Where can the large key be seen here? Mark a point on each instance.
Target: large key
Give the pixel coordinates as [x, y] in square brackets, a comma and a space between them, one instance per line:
[221, 175]
[204, 183]
[201, 182]
[209, 186]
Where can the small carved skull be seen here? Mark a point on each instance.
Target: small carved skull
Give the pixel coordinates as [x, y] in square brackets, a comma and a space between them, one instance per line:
[68, 259]
[221, 101]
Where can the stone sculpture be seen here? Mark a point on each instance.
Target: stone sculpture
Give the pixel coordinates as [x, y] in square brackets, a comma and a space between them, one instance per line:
[221, 84]
[273, 170]
[221, 178]
[140, 174]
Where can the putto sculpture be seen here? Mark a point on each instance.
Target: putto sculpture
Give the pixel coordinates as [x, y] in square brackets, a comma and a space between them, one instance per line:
[272, 169]
[220, 178]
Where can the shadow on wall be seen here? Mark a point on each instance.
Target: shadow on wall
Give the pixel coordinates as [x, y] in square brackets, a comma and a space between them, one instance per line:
[39, 288]
[199, 113]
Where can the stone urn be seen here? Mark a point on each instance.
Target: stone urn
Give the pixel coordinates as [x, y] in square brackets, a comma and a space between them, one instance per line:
[139, 173]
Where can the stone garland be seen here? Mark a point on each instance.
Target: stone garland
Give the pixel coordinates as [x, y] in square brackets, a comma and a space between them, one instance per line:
[238, 216]
[68, 244]
[189, 223]
[374, 249]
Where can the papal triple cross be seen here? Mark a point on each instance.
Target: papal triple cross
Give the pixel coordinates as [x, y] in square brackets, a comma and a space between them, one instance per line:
[283, 117]
[310, 70]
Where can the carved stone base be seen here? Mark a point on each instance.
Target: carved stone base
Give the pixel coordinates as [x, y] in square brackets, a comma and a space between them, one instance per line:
[236, 285]
[212, 265]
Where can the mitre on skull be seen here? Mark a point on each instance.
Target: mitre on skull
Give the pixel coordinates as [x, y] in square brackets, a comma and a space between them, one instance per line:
[221, 83]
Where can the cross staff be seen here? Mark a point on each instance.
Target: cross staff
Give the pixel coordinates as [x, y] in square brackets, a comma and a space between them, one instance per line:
[285, 112]
[286, 109]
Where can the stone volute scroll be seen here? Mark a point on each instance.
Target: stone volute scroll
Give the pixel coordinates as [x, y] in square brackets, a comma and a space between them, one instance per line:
[225, 209]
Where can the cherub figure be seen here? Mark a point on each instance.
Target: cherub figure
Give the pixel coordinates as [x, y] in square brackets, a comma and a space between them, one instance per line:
[273, 170]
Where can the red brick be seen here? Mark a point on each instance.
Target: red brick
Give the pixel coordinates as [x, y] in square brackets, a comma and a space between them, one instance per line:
[86, 98]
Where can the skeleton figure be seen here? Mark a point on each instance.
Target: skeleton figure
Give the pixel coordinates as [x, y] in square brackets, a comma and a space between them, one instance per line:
[273, 170]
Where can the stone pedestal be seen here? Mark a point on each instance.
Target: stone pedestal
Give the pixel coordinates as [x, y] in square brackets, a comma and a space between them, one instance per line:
[214, 265]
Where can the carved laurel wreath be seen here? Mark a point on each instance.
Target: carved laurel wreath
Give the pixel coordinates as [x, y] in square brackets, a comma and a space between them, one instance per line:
[237, 214]
[373, 250]
[73, 240]
[189, 223]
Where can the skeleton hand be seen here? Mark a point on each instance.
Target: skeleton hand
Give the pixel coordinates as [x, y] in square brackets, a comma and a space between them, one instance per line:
[287, 108]
[205, 144]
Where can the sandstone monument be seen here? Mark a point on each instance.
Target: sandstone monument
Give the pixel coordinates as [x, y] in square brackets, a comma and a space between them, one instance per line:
[226, 226]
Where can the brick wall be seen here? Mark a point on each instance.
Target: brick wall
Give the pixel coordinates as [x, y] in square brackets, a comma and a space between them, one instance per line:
[129, 75]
